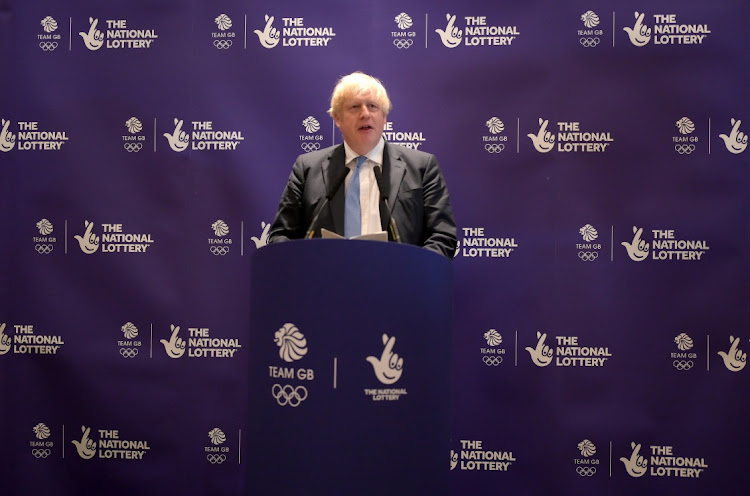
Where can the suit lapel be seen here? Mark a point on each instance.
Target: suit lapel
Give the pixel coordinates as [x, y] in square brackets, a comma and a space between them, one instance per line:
[331, 170]
[393, 173]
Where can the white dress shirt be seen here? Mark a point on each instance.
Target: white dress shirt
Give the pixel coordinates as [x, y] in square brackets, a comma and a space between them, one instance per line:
[369, 194]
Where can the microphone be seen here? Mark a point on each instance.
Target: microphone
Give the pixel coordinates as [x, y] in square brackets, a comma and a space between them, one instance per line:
[332, 191]
[384, 197]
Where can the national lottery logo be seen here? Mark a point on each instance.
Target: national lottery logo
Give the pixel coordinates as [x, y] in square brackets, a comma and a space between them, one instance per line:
[294, 33]
[663, 29]
[175, 345]
[389, 366]
[476, 32]
[109, 445]
[662, 461]
[50, 40]
[407, 139]
[735, 142]
[569, 138]
[198, 344]
[7, 138]
[262, 240]
[30, 136]
[734, 358]
[312, 139]
[636, 465]
[178, 139]
[474, 456]
[116, 35]
[203, 136]
[640, 33]
[28, 341]
[113, 239]
[665, 245]
[567, 352]
[222, 39]
[403, 38]
[589, 36]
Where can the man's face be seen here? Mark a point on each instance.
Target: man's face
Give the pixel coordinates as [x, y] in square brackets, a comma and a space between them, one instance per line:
[361, 121]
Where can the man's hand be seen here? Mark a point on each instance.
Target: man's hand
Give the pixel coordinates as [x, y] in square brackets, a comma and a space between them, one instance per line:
[736, 142]
[735, 359]
[389, 367]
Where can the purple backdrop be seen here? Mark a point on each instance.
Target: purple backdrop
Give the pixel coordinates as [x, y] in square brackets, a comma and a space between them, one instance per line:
[596, 160]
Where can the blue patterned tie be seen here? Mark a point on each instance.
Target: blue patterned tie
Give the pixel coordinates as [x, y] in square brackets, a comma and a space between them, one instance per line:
[352, 209]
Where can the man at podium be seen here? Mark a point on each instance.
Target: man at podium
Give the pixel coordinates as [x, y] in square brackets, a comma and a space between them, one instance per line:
[366, 185]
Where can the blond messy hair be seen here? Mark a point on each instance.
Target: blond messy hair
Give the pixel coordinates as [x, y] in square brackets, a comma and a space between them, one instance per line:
[358, 84]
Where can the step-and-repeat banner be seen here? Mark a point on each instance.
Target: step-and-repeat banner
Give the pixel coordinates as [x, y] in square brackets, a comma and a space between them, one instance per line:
[596, 159]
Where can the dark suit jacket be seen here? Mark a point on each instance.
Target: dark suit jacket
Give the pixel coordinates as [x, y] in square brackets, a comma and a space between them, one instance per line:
[418, 198]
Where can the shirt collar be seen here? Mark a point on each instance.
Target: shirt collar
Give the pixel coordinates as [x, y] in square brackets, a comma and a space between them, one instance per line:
[374, 155]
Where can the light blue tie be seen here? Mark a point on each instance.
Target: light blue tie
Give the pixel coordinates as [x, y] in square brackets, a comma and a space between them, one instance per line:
[353, 211]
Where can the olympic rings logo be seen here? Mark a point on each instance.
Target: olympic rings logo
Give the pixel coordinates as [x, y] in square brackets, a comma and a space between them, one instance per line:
[48, 46]
[494, 147]
[684, 149]
[129, 352]
[493, 361]
[588, 256]
[40, 453]
[44, 249]
[586, 471]
[403, 43]
[309, 147]
[133, 147]
[288, 395]
[683, 364]
[216, 459]
[589, 42]
[222, 44]
[220, 250]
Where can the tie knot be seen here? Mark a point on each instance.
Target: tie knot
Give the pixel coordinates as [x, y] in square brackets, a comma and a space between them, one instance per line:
[361, 160]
